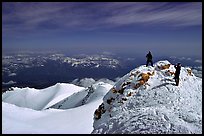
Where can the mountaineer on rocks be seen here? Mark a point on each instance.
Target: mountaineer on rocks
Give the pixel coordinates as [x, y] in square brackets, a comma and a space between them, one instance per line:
[149, 59]
[146, 101]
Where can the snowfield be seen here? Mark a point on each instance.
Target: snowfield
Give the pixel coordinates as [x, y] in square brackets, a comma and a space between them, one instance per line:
[145, 100]
[59, 109]
[39, 99]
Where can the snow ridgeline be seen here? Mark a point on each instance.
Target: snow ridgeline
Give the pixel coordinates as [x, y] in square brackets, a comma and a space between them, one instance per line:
[60, 109]
[146, 100]
[39, 99]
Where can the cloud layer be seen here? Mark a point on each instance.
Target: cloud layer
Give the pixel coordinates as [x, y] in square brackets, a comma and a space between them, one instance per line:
[29, 16]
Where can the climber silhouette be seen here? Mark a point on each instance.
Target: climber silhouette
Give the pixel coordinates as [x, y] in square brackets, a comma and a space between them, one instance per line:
[149, 59]
[177, 73]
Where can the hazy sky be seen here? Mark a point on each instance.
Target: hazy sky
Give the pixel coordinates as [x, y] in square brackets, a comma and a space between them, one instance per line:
[118, 27]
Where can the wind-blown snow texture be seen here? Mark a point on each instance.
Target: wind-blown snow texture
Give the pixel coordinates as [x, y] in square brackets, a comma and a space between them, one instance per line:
[137, 103]
[155, 107]
[39, 99]
[59, 109]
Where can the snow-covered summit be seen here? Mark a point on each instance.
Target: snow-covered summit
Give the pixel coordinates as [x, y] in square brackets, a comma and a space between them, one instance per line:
[146, 100]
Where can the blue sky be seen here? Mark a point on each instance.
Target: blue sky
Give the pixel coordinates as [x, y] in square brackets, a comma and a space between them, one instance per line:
[117, 27]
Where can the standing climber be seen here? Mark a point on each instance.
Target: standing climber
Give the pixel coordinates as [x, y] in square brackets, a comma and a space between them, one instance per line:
[149, 59]
[177, 73]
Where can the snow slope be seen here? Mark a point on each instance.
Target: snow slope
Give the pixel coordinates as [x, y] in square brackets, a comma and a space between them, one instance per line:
[151, 103]
[33, 111]
[39, 99]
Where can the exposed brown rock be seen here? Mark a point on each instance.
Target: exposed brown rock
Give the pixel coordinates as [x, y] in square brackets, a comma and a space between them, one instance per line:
[98, 112]
[145, 77]
[164, 66]
[168, 72]
[150, 74]
[129, 94]
[114, 90]
[110, 100]
[189, 72]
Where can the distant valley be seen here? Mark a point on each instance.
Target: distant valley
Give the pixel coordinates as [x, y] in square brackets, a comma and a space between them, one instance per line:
[41, 70]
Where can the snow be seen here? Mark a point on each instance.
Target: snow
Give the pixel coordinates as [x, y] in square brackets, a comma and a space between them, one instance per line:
[39, 99]
[37, 119]
[145, 100]
[155, 107]
[85, 82]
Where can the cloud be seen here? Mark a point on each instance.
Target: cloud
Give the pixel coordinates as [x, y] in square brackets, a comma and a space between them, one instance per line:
[198, 61]
[108, 53]
[12, 74]
[173, 57]
[197, 71]
[31, 16]
[130, 59]
[182, 58]
[8, 83]
[185, 58]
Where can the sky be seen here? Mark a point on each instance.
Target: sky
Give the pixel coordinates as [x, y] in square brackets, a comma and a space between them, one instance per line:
[165, 28]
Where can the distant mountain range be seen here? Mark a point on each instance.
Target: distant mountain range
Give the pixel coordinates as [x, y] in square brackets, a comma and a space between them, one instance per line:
[40, 70]
[43, 70]
[12, 63]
